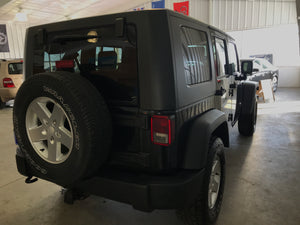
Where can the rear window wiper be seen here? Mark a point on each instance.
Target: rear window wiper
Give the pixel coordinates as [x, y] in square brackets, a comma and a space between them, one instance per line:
[66, 38]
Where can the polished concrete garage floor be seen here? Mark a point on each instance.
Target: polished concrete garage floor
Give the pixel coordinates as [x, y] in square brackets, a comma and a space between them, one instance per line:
[262, 186]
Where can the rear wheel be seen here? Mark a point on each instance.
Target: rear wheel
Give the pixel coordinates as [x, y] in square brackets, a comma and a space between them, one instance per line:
[274, 83]
[206, 207]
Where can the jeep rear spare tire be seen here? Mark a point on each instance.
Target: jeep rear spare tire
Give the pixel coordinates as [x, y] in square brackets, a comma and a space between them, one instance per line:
[63, 127]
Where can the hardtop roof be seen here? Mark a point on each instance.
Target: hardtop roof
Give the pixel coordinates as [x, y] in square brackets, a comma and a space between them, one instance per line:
[151, 12]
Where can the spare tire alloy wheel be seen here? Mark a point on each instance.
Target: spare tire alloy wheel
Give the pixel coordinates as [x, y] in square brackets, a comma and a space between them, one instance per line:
[49, 130]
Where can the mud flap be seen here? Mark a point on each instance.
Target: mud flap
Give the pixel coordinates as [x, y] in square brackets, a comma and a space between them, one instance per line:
[23, 167]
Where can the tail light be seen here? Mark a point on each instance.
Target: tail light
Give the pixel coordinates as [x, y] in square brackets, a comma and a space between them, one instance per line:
[162, 130]
[8, 83]
[63, 64]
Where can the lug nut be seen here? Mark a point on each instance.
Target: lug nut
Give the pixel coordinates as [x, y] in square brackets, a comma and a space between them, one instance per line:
[57, 134]
[52, 140]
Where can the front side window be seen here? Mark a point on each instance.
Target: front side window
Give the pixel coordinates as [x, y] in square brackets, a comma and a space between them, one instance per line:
[232, 56]
[220, 56]
[195, 56]
[15, 68]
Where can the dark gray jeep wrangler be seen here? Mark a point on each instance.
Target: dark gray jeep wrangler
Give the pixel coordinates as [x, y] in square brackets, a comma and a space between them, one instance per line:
[129, 107]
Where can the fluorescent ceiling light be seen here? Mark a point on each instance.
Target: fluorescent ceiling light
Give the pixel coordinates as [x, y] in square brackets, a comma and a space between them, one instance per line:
[21, 17]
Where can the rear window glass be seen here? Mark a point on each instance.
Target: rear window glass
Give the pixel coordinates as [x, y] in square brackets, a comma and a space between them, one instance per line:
[195, 56]
[15, 68]
[109, 62]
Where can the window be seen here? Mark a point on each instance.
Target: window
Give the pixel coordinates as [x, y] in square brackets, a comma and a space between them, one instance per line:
[220, 56]
[49, 61]
[195, 56]
[232, 56]
[257, 65]
[15, 68]
[109, 62]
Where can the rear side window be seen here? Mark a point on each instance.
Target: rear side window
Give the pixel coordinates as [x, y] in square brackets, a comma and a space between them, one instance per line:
[109, 62]
[15, 68]
[195, 56]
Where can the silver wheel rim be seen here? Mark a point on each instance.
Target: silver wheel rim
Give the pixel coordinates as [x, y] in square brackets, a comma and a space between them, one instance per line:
[49, 130]
[214, 182]
[274, 82]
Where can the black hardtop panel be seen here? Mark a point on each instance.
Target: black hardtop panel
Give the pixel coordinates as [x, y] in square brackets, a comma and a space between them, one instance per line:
[132, 16]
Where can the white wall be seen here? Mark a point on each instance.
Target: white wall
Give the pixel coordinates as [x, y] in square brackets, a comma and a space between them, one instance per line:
[232, 15]
[16, 37]
[289, 76]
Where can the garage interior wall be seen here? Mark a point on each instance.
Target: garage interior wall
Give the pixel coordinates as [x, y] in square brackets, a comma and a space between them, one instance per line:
[16, 37]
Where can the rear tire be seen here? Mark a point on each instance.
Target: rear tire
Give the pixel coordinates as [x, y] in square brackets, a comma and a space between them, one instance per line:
[247, 122]
[206, 207]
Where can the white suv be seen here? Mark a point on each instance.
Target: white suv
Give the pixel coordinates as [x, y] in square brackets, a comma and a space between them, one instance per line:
[11, 78]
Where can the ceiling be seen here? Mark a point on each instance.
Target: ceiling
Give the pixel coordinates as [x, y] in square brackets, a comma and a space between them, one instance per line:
[46, 11]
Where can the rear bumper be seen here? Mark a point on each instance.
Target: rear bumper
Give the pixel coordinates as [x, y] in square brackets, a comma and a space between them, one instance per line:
[7, 94]
[144, 192]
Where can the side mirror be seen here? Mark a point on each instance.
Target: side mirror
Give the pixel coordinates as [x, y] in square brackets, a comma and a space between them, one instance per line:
[247, 67]
[230, 68]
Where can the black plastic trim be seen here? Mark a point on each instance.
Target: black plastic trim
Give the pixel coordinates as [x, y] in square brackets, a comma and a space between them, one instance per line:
[146, 192]
[21, 163]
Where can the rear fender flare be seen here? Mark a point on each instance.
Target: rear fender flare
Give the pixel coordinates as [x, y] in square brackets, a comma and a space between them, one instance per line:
[199, 134]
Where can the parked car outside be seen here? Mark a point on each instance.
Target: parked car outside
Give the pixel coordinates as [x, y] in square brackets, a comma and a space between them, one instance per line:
[263, 70]
[11, 78]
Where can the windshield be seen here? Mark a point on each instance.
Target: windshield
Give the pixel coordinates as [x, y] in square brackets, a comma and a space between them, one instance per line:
[263, 64]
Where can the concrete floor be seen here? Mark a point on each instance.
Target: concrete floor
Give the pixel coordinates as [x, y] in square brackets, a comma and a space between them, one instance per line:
[262, 186]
